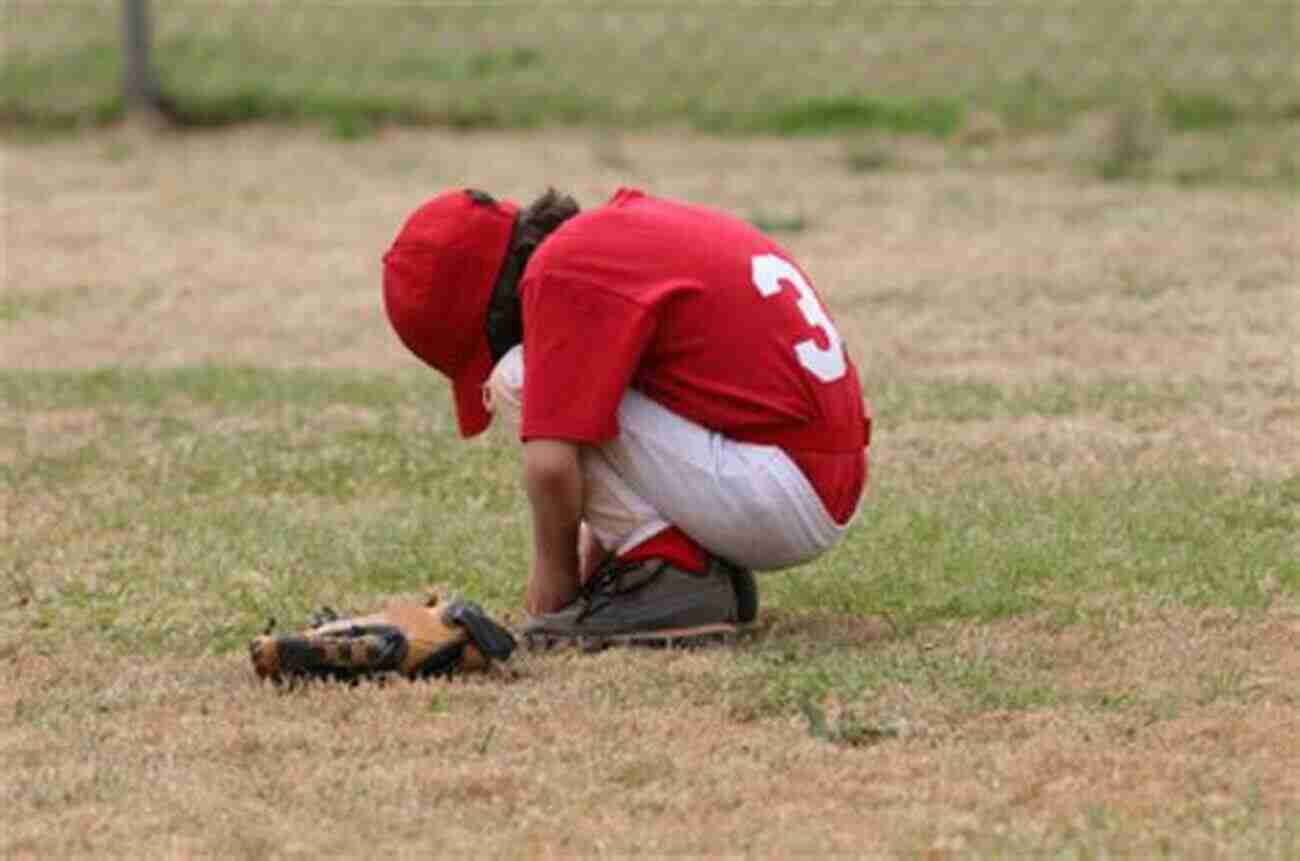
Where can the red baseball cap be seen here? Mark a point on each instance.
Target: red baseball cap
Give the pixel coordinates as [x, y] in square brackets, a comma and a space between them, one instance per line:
[438, 278]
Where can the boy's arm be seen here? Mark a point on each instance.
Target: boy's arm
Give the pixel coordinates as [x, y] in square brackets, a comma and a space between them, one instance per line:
[553, 480]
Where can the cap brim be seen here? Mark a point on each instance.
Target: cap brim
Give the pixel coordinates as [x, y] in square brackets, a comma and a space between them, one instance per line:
[467, 389]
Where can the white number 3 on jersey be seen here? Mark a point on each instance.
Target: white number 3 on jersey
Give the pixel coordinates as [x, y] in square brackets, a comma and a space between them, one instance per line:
[826, 364]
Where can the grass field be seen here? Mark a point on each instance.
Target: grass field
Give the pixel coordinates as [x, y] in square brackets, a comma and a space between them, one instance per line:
[1067, 622]
[1201, 93]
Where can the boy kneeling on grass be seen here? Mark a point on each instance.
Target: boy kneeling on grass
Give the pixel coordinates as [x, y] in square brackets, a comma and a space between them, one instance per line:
[687, 410]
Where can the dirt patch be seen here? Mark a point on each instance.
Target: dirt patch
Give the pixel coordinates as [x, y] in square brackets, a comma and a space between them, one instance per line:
[262, 246]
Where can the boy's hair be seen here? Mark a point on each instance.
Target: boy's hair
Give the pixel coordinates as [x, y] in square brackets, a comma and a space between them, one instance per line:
[505, 319]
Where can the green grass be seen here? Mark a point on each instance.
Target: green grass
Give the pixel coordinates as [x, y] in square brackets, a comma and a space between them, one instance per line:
[834, 67]
[935, 117]
[1032, 625]
[17, 303]
[1199, 111]
[240, 389]
[988, 549]
[231, 387]
[772, 222]
[1032, 102]
[777, 678]
[961, 400]
[244, 492]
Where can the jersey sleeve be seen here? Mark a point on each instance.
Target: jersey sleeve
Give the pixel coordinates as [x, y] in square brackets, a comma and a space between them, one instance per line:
[582, 348]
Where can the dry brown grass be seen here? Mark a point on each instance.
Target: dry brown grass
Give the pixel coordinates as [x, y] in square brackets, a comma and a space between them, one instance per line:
[640, 752]
[263, 246]
[1137, 728]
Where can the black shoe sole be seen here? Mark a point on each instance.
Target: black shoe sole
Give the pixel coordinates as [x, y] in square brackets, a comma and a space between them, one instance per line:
[672, 638]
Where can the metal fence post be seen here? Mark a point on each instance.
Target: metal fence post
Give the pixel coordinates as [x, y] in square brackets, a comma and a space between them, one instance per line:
[140, 85]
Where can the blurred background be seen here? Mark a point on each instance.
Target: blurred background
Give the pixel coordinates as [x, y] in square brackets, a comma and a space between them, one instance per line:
[1193, 92]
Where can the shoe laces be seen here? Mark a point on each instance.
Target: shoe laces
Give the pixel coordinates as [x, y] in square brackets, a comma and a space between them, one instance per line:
[607, 583]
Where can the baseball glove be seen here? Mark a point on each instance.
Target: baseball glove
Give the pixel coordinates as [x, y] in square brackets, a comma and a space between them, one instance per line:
[412, 640]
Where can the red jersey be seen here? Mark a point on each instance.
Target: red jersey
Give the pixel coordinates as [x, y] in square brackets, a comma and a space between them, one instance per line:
[702, 313]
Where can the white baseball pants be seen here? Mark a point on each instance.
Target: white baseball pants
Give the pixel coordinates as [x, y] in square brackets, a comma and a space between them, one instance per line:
[745, 502]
